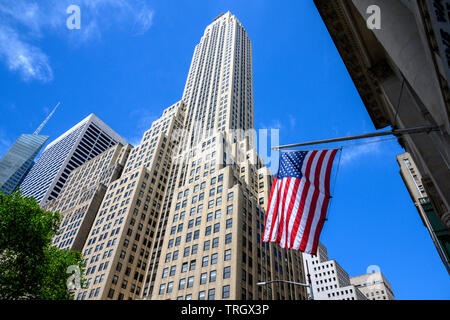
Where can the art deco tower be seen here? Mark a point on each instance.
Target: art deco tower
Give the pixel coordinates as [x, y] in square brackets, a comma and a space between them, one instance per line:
[212, 241]
[219, 88]
[185, 219]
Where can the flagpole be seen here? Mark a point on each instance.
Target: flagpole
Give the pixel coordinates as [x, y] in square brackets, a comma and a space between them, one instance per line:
[309, 280]
[363, 136]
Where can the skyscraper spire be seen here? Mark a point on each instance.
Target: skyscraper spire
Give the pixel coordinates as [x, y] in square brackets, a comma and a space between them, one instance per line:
[46, 119]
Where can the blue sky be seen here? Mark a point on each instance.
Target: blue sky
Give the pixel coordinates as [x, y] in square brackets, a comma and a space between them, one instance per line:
[130, 60]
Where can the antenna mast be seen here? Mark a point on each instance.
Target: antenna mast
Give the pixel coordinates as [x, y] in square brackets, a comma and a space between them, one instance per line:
[46, 119]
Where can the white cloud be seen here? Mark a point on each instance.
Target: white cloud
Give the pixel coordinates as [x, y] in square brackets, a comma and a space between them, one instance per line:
[23, 57]
[354, 153]
[23, 23]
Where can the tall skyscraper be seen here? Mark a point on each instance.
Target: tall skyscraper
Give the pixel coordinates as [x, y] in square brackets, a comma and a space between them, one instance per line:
[185, 219]
[17, 162]
[81, 143]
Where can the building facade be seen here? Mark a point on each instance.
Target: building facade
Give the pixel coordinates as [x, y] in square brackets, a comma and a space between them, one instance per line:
[185, 218]
[18, 160]
[329, 280]
[401, 71]
[373, 286]
[82, 194]
[438, 232]
[84, 141]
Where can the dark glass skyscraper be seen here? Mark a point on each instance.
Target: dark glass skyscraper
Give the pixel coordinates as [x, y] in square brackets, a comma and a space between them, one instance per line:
[19, 159]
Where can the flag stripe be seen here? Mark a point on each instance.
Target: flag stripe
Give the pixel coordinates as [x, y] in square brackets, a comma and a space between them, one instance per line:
[282, 212]
[268, 215]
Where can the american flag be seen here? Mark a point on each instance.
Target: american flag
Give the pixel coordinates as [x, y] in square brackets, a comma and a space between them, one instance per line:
[299, 199]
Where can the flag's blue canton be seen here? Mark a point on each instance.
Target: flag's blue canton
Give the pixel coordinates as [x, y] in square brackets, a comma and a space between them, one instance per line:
[291, 164]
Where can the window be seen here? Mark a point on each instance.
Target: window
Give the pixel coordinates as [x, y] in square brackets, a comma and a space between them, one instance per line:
[212, 276]
[169, 287]
[214, 258]
[203, 278]
[211, 294]
[215, 242]
[225, 291]
[226, 272]
[162, 289]
[192, 265]
[175, 255]
[111, 293]
[227, 255]
[201, 295]
[182, 284]
[190, 282]
[205, 261]
[228, 238]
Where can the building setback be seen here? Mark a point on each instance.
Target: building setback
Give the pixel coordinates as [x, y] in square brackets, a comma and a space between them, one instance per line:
[84, 141]
[128, 223]
[82, 194]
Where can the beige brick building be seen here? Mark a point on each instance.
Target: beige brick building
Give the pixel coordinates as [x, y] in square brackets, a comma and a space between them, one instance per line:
[374, 286]
[185, 218]
[81, 196]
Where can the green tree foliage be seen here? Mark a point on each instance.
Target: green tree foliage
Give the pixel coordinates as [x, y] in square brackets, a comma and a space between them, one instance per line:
[30, 267]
